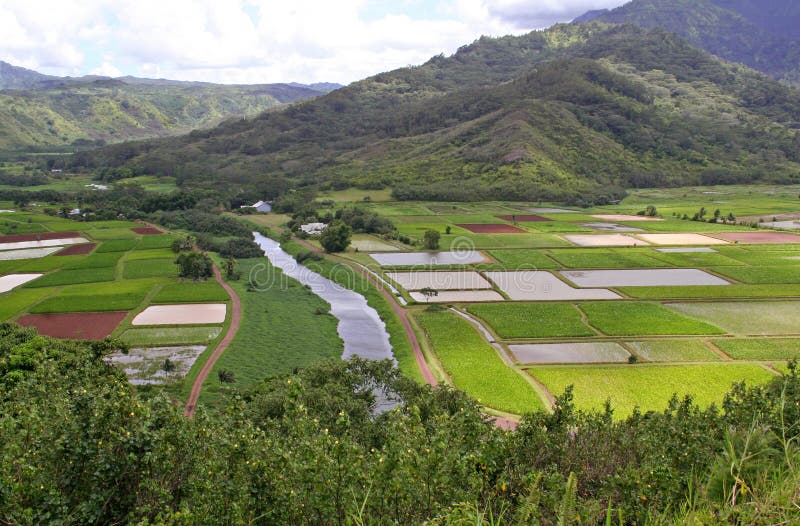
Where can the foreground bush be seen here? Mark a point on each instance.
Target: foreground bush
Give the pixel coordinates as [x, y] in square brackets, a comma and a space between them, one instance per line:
[81, 446]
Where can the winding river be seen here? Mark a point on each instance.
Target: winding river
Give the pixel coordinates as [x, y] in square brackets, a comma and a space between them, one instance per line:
[360, 328]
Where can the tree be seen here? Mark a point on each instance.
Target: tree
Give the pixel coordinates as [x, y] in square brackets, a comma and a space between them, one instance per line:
[194, 265]
[226, 377]
[230, 269]
[336, 237]
[431, 239]
[181, 244]
[428, 293]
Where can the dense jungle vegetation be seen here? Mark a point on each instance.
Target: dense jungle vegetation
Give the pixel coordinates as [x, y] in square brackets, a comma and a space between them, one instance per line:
[82, 446]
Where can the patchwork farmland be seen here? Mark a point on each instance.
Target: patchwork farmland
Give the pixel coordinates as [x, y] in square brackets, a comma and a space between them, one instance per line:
[92, 280]
[521, 301]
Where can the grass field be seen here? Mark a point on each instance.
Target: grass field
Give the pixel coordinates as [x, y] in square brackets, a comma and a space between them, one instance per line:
[642, 318]
[760, 349]
[532, 320]
[751, 317]
[648, 387]
[117, 245]
[703, 291]
[280, 331]
[762, 275]
[109, 259]
[77, 303]
[474, 366]
[155, 241]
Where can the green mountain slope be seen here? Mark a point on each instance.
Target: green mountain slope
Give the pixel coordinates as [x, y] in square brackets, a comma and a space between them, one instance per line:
[762, 35]
[43, 113]
[563, 113]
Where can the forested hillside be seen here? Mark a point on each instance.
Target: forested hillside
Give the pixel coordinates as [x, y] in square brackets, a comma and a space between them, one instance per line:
[574, 112]
[764, 35]
[44, 113]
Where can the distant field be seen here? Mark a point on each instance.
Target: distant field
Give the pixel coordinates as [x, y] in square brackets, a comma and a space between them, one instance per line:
[528, 259]
[69, 277]
[608, 258]
[648, 387]
[474, 366]
[762, 275]
[642, 318]
[118, 245]
[76, 303]
[729, 291]
[532, 320]
[150, 268]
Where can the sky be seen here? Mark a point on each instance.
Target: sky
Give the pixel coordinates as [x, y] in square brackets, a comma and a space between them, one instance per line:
[258, 41]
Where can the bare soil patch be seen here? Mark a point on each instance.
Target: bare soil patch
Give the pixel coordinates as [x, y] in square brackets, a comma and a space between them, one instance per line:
[604, 240]
[491, 228]
[76, 326]
[188, 314]
[77, 250]
[16, 238]
[147, 230]
[682, 239]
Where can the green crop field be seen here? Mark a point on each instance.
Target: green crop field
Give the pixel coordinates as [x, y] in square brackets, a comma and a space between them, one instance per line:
[155, 241]
[47, 264]
[608, 258]
[674, 351]
[748, 317]
[118, 245]
[760, 349]
[648, 387]
[170, 336]
[697, 259]
[474, 366]
[642, 318]
[710, 291]
[532, 320]
[77, 303]
[191, 292]
[14, 302]
[110, 234]
[524, 259]
[158, 253]
[108, 259]
[150, 268]
[70, 277]
[762, 275]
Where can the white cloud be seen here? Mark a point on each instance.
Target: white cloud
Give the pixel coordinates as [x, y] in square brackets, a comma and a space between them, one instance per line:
[255, 41]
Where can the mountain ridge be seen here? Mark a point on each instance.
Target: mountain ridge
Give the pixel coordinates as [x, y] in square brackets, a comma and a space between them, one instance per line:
[46, 113]
[762, 35]
[576, 110]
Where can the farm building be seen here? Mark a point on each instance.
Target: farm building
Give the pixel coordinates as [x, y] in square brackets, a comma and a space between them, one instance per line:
[313, 229]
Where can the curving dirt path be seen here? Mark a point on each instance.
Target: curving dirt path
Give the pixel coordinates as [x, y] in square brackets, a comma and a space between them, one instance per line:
[236, 319]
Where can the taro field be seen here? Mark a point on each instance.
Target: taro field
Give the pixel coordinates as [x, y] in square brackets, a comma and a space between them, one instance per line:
[522, 300]
[93, 280]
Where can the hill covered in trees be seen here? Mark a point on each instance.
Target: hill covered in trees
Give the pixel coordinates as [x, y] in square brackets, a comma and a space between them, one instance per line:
[45, 113]
[575, 112]
[764, 35]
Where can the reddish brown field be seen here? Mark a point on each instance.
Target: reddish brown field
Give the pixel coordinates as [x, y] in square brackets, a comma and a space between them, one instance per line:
[41, 236]
[77, 250]
[77, 326]
[492, 228]
[758, 237]
[524, 218]
[147, 230]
